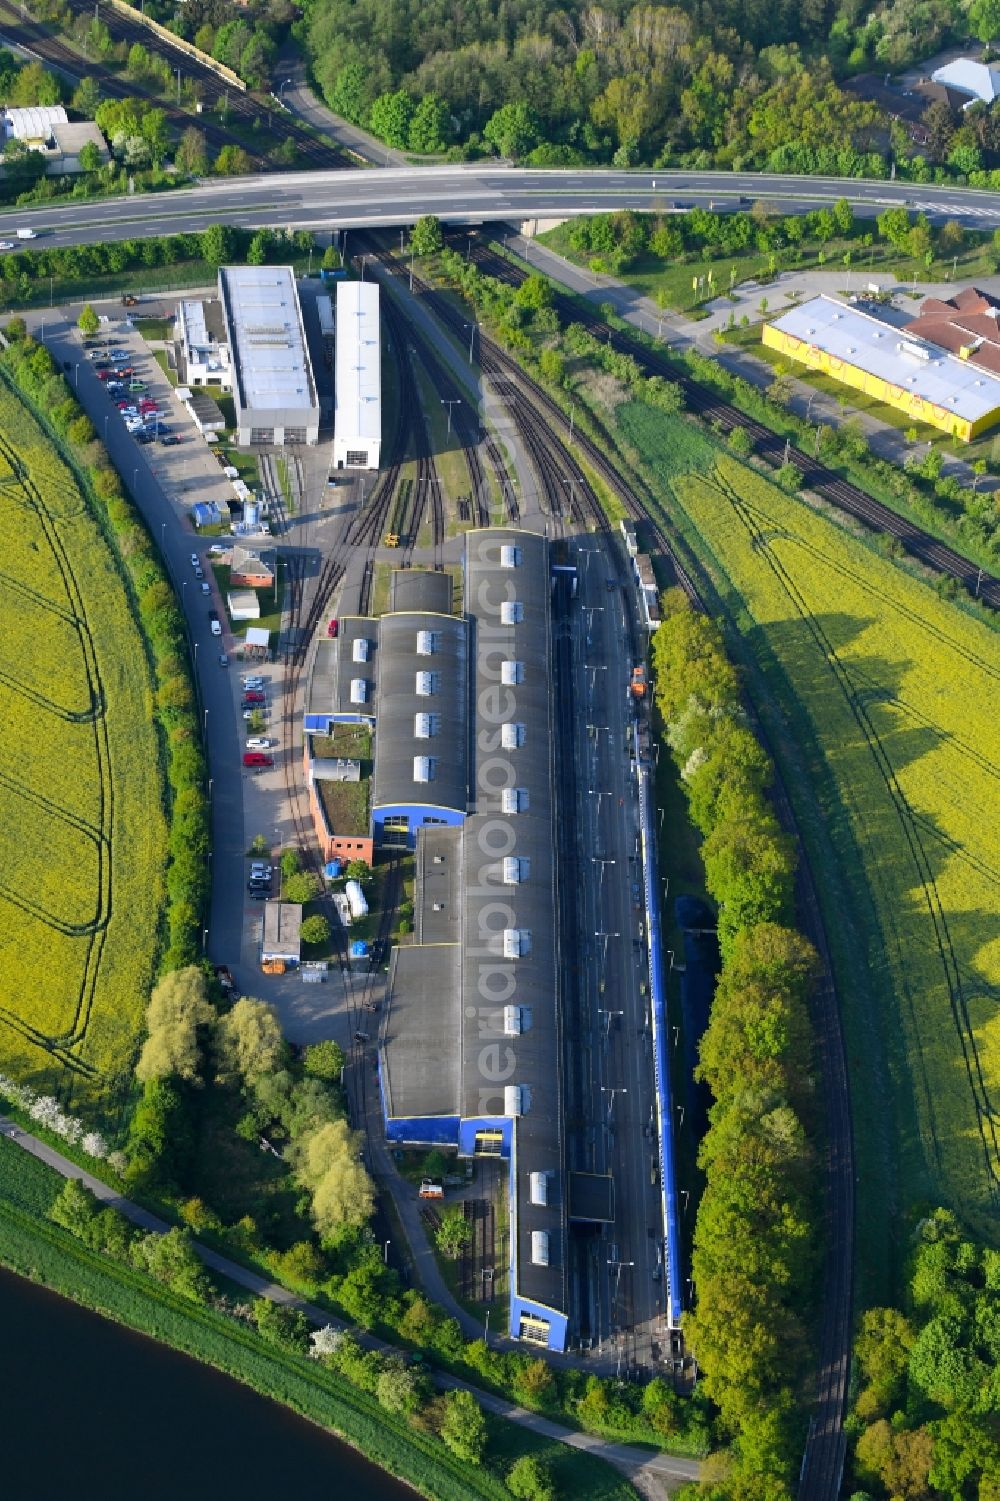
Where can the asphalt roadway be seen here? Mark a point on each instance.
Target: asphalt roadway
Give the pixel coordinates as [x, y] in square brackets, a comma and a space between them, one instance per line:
[464, 195]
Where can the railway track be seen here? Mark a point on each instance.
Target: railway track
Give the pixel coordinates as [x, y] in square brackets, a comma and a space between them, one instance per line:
[822, 1467]
[243, 108]
[815, 476]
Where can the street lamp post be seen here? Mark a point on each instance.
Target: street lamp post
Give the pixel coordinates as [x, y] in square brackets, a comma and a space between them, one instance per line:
[472, 334]
[281, 91]
[385, 1252]
[453, 402]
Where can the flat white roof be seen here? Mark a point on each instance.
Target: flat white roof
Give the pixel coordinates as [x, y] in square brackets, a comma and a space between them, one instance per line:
[33, 123]
[359, 374]
[266, 340]
[914, 366]
[193, 318]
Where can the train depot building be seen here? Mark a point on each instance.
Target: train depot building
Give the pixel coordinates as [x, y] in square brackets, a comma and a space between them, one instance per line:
[902, 366]
[274, 390]
[470, 1049]
[357, 422]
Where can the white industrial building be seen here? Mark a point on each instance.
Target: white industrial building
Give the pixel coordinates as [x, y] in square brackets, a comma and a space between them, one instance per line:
[200, 335]
[357, 433]
[274, 391]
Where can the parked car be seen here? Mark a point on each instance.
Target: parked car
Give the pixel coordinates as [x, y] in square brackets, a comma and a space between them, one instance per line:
[259, 893]
[206, 588]
[333, 629]
[195, 560]
[104, 375]
[253, 696]
[257, 758]
[144, 437]
[252, 681]
[258, 742]
[215, 628]
[223, 659]
[170, 440]
[249, 713]
[199, 573]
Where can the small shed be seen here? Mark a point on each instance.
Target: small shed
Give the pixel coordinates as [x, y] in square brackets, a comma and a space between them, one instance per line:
[243, 604]
[257, 642]
[206, 513]
[281, 938]
[207, 414]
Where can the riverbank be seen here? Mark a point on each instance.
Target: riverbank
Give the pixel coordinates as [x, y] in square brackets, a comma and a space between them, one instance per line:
[34, 1247]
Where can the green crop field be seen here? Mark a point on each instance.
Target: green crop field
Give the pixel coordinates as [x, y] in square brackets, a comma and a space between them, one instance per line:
[883, 717]
[80, 787]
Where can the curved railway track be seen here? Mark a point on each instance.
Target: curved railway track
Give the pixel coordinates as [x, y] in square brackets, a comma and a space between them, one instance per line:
[242, 107]
[815, 476]
[823, 1460]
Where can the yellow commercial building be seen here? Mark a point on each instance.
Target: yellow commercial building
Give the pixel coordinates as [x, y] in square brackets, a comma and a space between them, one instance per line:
[926, 382]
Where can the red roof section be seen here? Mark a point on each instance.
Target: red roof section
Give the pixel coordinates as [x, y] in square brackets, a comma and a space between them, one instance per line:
[969, 320]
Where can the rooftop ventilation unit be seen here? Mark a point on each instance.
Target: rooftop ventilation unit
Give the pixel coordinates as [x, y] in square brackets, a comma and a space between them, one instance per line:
[913, 351]
[426, 643]
[539, 1188]
[426, 684]
[511, 612]
[359, 651]
[515, 870]
[359, 690]
[539, 1248]
[423, 769]
[512, 735]
[510, 556]
[511, 673]
[516, 943]
[512, 1021]
[514, 800]
[513, 1099]
[422, 727]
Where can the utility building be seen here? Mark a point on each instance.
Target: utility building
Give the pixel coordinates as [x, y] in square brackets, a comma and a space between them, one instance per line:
[274, 391]
[357, 427]
[470, 1048]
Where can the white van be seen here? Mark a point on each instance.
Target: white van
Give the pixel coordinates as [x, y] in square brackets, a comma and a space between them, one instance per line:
[26, 234]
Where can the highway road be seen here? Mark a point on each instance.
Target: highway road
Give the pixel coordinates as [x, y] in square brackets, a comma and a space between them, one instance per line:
[464, 195]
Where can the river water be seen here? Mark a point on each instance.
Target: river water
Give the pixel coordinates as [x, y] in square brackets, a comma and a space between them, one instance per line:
[90, 1410]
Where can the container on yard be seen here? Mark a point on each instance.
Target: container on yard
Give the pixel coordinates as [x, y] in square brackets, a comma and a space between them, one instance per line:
[332, 870]
[356, 897]
[359, 949]
[273, 966]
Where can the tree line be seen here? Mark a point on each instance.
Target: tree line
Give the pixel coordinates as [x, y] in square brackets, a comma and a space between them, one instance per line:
[755, 1238]
[739, 85]
[925, 1420]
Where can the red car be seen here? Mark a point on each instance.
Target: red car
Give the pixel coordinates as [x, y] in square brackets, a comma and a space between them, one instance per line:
[104, 375]
[147, 406]
[333, 629]
[257, 758]
[253, 696]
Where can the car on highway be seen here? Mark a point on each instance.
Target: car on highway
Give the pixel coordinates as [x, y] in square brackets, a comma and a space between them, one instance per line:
[257, 759]
[6, 245]
[195, 560]
[199, 573]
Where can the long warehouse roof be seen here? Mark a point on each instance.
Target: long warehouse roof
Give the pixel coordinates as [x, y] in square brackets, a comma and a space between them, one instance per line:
[359, 372]
[266, 339]
[915, 367]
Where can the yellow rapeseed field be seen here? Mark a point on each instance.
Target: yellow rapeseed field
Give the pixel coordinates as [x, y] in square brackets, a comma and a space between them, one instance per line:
[80, 786]
[899, 691]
